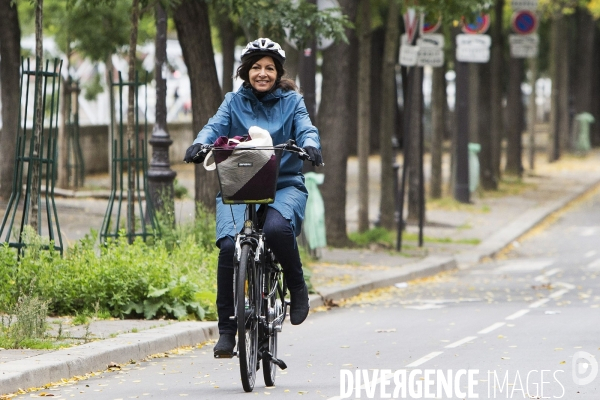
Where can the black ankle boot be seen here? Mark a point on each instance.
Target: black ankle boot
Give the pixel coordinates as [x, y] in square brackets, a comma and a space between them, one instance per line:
[299, 305]
[225, 345]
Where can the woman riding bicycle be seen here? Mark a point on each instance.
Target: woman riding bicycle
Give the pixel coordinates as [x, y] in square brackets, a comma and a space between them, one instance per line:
[272, 102]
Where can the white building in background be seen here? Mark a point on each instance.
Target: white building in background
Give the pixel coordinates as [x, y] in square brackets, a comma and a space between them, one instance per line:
[97, 111]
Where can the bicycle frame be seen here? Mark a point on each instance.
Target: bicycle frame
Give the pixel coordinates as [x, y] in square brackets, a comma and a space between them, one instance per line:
[267, 277]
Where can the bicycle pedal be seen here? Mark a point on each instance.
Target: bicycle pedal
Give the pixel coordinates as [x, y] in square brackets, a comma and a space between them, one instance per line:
[282, 365]
[226, 355]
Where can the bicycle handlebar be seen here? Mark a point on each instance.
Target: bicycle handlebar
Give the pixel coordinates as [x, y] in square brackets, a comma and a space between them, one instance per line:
[290, 145]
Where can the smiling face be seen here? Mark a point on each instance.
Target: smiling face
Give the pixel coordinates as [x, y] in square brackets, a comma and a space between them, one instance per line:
[263, 74]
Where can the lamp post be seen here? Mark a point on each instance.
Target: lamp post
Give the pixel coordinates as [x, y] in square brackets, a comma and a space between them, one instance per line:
[160, 175]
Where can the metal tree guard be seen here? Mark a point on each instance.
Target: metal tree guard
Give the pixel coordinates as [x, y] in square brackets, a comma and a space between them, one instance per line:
[128, 156]
[40, 159]
[75, 160]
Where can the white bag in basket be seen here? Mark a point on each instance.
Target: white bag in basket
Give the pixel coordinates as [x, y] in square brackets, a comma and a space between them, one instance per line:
[259, 137]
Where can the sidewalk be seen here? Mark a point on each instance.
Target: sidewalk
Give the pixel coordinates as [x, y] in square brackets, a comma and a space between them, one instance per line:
[457, 236]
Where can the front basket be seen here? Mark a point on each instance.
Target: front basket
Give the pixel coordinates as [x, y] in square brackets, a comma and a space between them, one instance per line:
[248, 175]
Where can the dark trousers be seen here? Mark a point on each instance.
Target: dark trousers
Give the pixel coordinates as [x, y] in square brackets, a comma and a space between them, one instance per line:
[282, 241]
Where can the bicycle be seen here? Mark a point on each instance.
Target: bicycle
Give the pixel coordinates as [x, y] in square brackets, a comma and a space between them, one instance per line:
[259, 287]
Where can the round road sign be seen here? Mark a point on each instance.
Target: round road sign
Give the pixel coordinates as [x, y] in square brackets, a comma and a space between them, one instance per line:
[524, 22]
[430, 25]
[481, 24]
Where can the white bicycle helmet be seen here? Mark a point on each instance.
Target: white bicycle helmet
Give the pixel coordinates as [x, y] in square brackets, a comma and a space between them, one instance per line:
[265, 47]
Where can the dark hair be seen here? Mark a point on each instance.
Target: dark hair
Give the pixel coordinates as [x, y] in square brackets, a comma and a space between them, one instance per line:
[282, 82]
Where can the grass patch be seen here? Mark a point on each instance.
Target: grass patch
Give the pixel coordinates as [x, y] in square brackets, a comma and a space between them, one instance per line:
[387, 239]
[508, 186]
[448, 203]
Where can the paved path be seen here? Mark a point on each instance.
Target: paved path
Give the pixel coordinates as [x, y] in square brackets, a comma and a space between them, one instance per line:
[460, 236]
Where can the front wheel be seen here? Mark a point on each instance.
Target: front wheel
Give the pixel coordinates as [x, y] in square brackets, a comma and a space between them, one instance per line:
[273, 309]
[247, 308]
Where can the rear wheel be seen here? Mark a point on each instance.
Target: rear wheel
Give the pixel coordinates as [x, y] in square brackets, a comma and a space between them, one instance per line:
[248, 308]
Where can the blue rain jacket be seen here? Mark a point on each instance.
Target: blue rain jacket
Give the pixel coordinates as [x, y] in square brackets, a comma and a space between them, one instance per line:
[284, 115]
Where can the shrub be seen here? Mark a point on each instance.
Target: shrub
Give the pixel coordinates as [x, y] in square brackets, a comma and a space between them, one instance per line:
[173, 277]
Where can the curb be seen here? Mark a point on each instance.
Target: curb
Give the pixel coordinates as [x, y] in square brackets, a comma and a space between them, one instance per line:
[513, 231]
[96, 356]
[80, 360]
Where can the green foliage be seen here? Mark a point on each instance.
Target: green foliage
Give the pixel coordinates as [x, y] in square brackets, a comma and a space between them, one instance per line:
[453, 10]
[375, 235]
[173, 278]
[93, 88]
[387, 239]
[302, 19]
[179, 190]
[25, 324]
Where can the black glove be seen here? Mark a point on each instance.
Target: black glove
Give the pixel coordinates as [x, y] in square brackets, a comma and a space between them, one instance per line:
[315, 156]
[196, 153]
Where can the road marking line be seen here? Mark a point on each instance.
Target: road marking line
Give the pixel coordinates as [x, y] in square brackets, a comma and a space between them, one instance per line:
[491, 327]
[461, 342]
[523, 266]
[545, 275]
[558, 294]
[594, 264]
[565, 285]
[538, 303]
[518, 314]
[423, 360]
[590, 253]
[588, 232]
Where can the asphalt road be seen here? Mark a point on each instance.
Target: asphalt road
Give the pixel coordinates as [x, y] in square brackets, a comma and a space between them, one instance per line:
[524, 325]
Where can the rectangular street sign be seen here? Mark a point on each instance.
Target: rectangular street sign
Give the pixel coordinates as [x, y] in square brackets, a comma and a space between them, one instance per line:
[473, 54]
[431, 56]
[518, 5]
[473, 40]
[473, 48]
[523, 46]
[408, 55]
[435, 40]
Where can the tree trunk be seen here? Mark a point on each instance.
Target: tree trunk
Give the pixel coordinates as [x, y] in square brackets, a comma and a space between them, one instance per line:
[335, 112]
[595, 85]
[474, 105]
[414, 136]
[131, 112]
[497, 72]
[514, 110]
[291, 60]
[584, 59]
[387, 205]
[39, 115]
[364, 124]
[227, 35]
[564, 106]
[555, 53]
[377, 60]
[438, 124]
[487, 177]
[10, 52]
[193, 30]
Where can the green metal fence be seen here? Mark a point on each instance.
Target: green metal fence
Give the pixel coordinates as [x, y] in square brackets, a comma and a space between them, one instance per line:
[129, 198]
[32, 197]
